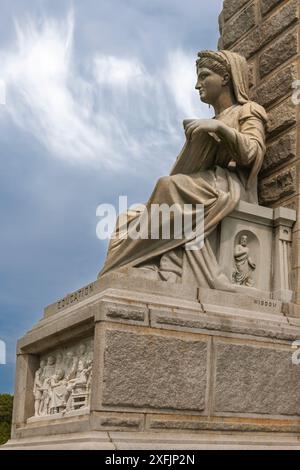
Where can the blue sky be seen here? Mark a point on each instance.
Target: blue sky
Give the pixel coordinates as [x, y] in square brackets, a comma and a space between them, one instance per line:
[96, 93]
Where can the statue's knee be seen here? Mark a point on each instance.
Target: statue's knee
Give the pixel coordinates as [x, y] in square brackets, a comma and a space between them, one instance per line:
[165, 181]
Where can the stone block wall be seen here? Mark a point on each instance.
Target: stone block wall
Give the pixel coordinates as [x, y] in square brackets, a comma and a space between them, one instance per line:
[266, 32]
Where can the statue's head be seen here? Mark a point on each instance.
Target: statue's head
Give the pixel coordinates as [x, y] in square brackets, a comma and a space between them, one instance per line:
[43, 363]
[59, 358]
[244, 240]
[214, 76]
[69, 357]
[51, 360]
[82, 349]
[59, 374]
[81, 366]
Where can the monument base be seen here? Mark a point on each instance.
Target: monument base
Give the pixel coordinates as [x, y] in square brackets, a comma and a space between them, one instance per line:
[174, 367]
[116, 441]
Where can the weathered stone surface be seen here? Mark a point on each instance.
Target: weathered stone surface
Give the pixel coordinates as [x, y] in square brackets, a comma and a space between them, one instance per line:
[263, 34]
[160, 440]
[54, 427]
[232, 6]
[261, 323]
[152, 371]
[278, 22]
[221, 22]
[220, 43]
[120, 423]
[202, 424]
[237, 27]
[114, 311]
[295, 258]
[252, 75]
[252, 379]
[278, 52]
[277, 86]
[250, 45]
[281, 151]
[277, 187]
[282, 117]
[121, 280]
[115, 421]
[24, 406]
[267, 5]
[295, 276]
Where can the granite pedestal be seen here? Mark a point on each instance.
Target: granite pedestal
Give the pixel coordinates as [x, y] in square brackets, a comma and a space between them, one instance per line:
[173, 367]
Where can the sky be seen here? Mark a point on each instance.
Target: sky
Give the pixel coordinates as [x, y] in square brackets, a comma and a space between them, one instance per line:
[92, 99]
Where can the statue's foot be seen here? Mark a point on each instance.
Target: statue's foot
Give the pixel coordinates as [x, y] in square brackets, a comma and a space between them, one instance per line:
[222, 283]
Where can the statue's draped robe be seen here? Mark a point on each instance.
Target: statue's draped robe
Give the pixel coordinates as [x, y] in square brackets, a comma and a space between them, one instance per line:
[204, 173]
[244, 266]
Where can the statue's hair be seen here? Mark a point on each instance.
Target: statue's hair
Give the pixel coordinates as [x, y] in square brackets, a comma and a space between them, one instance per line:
[213, 61]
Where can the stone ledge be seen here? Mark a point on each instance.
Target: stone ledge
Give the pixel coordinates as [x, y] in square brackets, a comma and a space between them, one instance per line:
[121, 280]
[213, 310]
[160, 441]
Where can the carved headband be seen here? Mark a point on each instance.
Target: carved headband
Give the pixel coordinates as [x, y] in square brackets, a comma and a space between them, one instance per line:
[216, 57]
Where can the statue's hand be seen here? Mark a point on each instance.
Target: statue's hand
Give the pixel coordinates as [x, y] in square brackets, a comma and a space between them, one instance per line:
[251, 263]
[192, 128]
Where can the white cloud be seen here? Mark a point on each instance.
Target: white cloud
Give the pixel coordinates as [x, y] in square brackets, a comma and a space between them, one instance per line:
[121, 114]
[2, 92]
[180, 76]
[115, 71]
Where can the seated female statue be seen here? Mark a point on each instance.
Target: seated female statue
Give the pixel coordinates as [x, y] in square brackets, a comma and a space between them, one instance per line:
[217, 167]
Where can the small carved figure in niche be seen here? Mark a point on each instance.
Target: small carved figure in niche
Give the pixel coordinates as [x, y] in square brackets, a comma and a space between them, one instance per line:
[57, 392]
[38, 388]
[244, 266]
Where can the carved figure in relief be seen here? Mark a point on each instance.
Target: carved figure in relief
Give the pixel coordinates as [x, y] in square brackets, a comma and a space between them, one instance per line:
[80, 384]
[63, 381]
[71, 363]
[58, 386]
[59, 361]
[38, 388]
[44, 407]
[244, 266]
[50, 367]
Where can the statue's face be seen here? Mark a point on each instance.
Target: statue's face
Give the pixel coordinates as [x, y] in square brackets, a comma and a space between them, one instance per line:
[59, 374]
[244, 240]
[51, 361]
[59, 358]
[210, 85]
